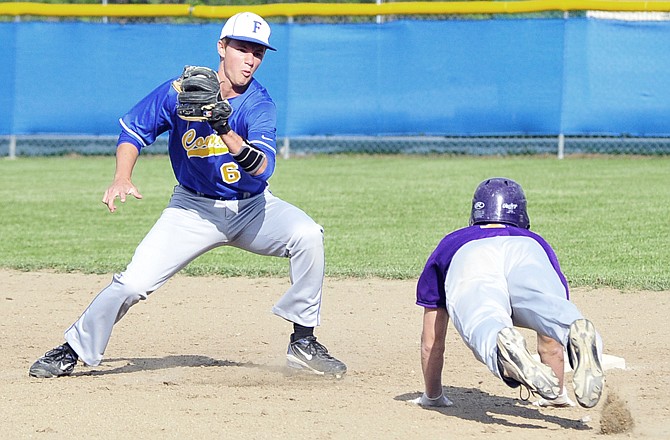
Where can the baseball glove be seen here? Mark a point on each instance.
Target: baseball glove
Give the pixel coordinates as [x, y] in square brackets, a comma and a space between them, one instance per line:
[199, 98]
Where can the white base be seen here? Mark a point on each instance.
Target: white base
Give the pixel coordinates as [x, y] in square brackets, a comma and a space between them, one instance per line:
[608, 362]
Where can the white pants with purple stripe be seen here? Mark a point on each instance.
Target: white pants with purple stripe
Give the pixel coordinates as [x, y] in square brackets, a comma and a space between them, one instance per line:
[503, 281]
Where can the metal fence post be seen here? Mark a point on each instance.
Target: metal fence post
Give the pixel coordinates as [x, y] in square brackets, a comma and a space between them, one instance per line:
[380, 19]
[286, 147]
[12, 147]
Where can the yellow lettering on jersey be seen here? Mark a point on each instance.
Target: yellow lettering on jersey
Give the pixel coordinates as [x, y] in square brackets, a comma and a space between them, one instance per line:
[492, 226]
[195, 146]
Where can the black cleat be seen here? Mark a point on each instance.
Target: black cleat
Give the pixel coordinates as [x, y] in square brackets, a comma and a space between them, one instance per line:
[307, 353]
[58, 362]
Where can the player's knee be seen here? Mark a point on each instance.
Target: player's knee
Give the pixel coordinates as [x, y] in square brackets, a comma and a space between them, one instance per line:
[309, 236]
[129, 291]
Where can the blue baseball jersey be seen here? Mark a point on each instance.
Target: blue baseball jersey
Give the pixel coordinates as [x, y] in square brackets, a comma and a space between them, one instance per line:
[200, 160]
[430, 287]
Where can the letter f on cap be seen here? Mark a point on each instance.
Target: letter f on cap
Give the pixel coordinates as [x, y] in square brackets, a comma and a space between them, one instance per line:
[247, 26]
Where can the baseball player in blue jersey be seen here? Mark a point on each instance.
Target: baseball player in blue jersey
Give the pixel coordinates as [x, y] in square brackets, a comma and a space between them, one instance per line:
[222, 146]
[496, 274]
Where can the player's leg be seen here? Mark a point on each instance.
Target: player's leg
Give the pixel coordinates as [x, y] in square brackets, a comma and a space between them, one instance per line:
[477, 299]
[539, 298]
[177, 238]
[270, 226]
[479, 305]
[540, 302]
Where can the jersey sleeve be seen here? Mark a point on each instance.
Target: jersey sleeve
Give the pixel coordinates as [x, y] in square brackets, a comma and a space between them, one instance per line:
[430, 290]
[150, 117]
[430, 286]
[262, 134]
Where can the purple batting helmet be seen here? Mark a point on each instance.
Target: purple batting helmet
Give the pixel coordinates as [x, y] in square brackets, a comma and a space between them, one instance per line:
[499, 200]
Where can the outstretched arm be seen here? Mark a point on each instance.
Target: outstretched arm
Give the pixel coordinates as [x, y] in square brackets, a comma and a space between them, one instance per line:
[126, 157]
[551, 354]
[433, 339]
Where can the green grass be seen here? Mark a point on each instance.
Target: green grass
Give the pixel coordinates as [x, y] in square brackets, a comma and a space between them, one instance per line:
[607, 217]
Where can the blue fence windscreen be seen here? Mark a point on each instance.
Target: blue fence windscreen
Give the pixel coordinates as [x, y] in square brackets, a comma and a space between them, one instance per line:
[457, 77]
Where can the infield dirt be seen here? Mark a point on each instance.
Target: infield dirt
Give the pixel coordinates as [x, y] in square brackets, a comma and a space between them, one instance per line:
[204, 358]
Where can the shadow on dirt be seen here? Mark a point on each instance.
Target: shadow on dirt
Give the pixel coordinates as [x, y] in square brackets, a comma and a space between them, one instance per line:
[132, 365]
[478, 406]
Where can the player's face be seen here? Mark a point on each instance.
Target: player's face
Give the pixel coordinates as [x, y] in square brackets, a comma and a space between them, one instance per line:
[241, 59]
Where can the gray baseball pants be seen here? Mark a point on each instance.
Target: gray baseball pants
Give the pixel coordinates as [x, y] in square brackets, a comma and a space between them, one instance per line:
[192, 225]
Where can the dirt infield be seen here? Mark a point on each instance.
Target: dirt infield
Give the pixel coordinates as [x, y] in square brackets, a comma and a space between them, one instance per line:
[204, 358]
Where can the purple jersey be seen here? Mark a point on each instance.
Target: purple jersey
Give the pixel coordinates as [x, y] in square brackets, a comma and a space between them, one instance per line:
[430, 287]
[200, 160]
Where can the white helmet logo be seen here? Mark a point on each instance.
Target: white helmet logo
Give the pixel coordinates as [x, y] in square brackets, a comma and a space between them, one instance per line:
[510, 207]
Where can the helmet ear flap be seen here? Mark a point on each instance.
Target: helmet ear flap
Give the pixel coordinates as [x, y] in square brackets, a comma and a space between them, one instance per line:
[499, 200]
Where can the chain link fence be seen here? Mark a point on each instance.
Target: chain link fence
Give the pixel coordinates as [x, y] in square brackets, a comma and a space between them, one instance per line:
[18, 146]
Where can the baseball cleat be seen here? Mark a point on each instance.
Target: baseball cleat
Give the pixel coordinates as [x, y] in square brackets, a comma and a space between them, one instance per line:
[308, 354]
[57, 362]
[588, 376]
[517, 366]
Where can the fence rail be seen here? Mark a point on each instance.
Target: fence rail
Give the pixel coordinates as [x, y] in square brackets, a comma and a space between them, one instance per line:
[46, 145]
[326, 9]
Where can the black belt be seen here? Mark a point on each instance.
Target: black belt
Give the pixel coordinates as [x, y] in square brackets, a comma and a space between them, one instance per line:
[207, 196]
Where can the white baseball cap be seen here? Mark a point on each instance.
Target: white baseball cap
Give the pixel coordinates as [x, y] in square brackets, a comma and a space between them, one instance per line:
[247, 26]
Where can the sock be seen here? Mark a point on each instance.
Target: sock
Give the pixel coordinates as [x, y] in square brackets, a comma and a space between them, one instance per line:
[300, 332]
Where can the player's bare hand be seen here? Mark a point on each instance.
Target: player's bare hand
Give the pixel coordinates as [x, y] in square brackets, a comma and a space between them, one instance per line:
[120, 189]
[427, 402]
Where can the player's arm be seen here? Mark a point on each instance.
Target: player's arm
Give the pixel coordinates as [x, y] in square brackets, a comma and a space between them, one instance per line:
[250, 158]
[126, 158]
[199, 99]
[140, 127]
[551, 354]
[433, 338]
